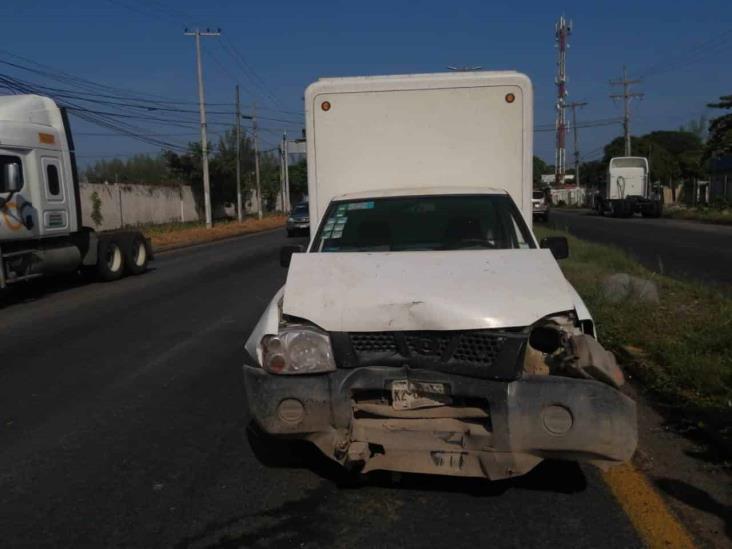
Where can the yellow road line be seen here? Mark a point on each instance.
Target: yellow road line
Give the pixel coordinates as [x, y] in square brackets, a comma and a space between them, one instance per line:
[646, 509]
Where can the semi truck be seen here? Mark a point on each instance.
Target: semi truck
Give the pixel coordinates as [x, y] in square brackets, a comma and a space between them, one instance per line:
[425, 328]
[627, 189]
[41, 229]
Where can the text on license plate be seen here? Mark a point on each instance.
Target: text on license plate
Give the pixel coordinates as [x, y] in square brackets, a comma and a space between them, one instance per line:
[410, 395]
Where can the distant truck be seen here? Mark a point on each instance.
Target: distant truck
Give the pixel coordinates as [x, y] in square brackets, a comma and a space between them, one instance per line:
[627, 189]
[426, 329]
[41, 231]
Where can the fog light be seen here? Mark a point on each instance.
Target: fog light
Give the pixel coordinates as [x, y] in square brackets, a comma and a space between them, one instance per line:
[557, 419]
[291, 410]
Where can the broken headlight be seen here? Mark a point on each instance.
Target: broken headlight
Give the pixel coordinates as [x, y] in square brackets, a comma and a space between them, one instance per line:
[297, 349]
[558, 346]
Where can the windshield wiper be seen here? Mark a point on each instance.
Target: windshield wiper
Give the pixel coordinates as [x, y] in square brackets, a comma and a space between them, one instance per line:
[469, 243]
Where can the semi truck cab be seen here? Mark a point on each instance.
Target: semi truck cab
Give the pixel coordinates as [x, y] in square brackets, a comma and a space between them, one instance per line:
[41, 231]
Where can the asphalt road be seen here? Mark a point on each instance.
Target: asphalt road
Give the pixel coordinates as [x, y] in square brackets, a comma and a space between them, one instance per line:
[682, 249]
[124, 424]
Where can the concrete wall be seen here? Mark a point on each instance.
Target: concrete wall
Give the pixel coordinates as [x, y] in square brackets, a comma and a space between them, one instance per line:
[126, 204]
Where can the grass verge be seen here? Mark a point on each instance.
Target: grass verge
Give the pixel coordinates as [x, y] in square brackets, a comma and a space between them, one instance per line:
[177, 235]
[680, 348]
[702, 214]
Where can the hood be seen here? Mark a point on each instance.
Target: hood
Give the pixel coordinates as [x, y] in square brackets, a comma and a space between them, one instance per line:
[445, 290]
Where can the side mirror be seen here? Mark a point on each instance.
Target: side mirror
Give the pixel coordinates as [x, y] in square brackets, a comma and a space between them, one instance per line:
[286, 254]
[558, 246]
[11, 177]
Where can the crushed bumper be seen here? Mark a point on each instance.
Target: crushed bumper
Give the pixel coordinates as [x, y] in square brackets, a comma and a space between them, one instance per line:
[489, 429]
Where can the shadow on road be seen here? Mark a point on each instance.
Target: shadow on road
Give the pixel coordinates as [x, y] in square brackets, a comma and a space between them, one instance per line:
[550, 475]
[39, 288]
[698, 499]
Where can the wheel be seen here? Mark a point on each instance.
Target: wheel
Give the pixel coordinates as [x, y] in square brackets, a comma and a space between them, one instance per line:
[135, 255]
[110, 259]
[290, 234]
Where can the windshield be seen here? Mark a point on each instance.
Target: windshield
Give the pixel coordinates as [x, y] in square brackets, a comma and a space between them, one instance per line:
[423, 223]
[538, 195]
[300, 209]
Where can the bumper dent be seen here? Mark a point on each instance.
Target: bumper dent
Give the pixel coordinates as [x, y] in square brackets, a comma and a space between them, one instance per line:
[492, 429]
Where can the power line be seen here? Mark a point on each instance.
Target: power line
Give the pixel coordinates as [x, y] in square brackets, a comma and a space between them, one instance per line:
[626, 96]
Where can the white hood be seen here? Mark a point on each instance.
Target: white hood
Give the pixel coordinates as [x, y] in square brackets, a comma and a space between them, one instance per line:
[450, 290]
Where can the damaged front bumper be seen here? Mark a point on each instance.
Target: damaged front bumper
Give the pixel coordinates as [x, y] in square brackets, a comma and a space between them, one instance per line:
[485, 428]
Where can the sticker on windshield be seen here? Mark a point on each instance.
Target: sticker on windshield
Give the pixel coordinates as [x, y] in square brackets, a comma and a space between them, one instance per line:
[361, 205]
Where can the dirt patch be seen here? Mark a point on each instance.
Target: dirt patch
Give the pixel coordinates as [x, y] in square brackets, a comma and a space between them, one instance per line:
[168, 237]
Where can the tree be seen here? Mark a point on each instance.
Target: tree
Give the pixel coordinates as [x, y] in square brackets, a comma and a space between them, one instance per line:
[699, 128]
[720, 131]
[593, 173]
[298, 180]
[140, 168]
[540, 168]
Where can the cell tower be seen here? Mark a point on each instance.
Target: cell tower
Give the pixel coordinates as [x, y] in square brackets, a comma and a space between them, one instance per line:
[562, 30]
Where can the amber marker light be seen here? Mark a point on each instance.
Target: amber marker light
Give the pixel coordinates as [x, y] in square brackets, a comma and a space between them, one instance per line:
[510, 98]
[325, 105]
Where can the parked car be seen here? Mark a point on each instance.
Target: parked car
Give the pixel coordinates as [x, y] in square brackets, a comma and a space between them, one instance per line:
[540, 206]
[299, 221]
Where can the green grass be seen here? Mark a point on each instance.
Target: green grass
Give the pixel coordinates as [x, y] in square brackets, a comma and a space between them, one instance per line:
[718, 216]
[681, 348]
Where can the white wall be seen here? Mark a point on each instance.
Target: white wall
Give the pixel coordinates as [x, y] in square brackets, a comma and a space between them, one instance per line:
[127, 204]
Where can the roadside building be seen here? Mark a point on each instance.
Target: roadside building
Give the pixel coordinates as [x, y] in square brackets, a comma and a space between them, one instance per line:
[720, 180]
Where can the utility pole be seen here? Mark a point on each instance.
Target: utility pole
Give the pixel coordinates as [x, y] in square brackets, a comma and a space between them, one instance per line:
[202, 108]
[573, 105]
[256, 160]
[288, 206]
[239, 215]
[562, 30]
[626, 96]
[282, 172]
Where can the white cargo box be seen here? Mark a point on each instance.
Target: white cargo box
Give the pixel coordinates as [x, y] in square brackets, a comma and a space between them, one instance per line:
[418, 131]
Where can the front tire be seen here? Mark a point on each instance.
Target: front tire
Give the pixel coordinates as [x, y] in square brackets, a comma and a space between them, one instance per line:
[110, 259]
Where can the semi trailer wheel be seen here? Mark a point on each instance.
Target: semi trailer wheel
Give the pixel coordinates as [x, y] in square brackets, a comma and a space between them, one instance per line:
[110, 259]
[135, 255]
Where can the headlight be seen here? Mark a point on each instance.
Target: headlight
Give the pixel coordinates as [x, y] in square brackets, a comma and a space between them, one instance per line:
[291, 219]
[298, 350]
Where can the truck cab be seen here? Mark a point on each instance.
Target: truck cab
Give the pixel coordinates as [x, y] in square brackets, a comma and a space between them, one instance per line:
[627, 189]
[425, 329]
[41, 232]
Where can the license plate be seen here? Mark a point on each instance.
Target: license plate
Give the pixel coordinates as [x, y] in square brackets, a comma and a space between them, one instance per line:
[411, 395]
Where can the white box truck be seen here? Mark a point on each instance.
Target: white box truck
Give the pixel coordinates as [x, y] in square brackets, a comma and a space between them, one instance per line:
[425, 329]
[627, 189]
[41, 232]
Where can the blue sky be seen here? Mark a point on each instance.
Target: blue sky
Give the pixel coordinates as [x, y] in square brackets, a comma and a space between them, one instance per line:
[684, 50]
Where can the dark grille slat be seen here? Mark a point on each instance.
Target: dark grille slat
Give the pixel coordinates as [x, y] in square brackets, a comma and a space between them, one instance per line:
[376, 342]
[480, 351]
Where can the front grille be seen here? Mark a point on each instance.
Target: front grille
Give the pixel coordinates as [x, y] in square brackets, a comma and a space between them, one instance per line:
[478, 347]
[484, 353]
[378, 342]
